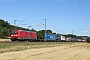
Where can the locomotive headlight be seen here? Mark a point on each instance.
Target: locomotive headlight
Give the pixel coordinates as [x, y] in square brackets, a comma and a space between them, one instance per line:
[11, 35]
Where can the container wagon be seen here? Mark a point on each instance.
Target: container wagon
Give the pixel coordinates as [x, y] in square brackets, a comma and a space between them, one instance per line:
[74, 40]
[55, 37]
[51, 37]
[61, 38]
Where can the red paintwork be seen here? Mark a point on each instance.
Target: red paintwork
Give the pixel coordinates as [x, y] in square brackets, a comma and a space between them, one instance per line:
[21, 34]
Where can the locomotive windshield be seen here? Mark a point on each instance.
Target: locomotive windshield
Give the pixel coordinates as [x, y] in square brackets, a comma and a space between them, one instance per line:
[14, 32]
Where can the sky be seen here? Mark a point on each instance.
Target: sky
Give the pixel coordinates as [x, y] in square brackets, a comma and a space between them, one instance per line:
[62, 16]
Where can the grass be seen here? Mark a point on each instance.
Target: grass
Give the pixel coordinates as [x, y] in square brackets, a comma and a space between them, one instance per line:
[18, 46]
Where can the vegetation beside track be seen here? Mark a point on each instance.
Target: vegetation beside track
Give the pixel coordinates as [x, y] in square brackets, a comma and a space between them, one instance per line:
[18, 46]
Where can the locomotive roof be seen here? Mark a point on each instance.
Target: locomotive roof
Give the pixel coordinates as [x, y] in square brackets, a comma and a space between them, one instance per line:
[22, 30]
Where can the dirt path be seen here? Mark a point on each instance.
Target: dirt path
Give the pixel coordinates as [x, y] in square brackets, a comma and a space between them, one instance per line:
[69, 52]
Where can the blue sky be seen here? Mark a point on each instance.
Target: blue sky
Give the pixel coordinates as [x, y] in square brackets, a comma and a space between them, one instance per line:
[61, 15]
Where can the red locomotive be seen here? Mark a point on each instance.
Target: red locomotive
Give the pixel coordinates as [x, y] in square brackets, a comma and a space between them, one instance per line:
[22, 35]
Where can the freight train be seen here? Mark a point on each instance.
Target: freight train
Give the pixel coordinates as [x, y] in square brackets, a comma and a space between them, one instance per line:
[22, 35]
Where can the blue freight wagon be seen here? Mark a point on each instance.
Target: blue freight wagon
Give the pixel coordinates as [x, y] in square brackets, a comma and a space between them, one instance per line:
[74, 39]
[51, 37]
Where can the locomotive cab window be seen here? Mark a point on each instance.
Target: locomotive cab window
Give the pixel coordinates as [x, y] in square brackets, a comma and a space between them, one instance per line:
[14, 32]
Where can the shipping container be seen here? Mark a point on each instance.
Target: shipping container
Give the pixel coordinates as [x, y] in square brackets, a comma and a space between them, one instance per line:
[63, 38]
[51, 37]
[74, 39]
[60, 37]
[68, 39]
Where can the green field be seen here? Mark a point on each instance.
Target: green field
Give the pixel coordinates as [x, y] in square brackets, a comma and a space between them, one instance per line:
[18, 46]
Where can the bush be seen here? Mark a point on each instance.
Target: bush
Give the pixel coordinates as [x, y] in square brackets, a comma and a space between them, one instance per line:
[88, 39]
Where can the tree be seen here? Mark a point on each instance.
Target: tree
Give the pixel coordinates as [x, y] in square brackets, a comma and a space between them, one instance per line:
[48, 31]
[88, 39]
[6, 28]
[41, 34]
[33, 30]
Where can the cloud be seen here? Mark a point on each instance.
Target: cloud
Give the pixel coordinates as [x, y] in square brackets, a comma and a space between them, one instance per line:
[85, 31]
[37, 25]
[75, 3]
[1, 18]
[88, 28]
